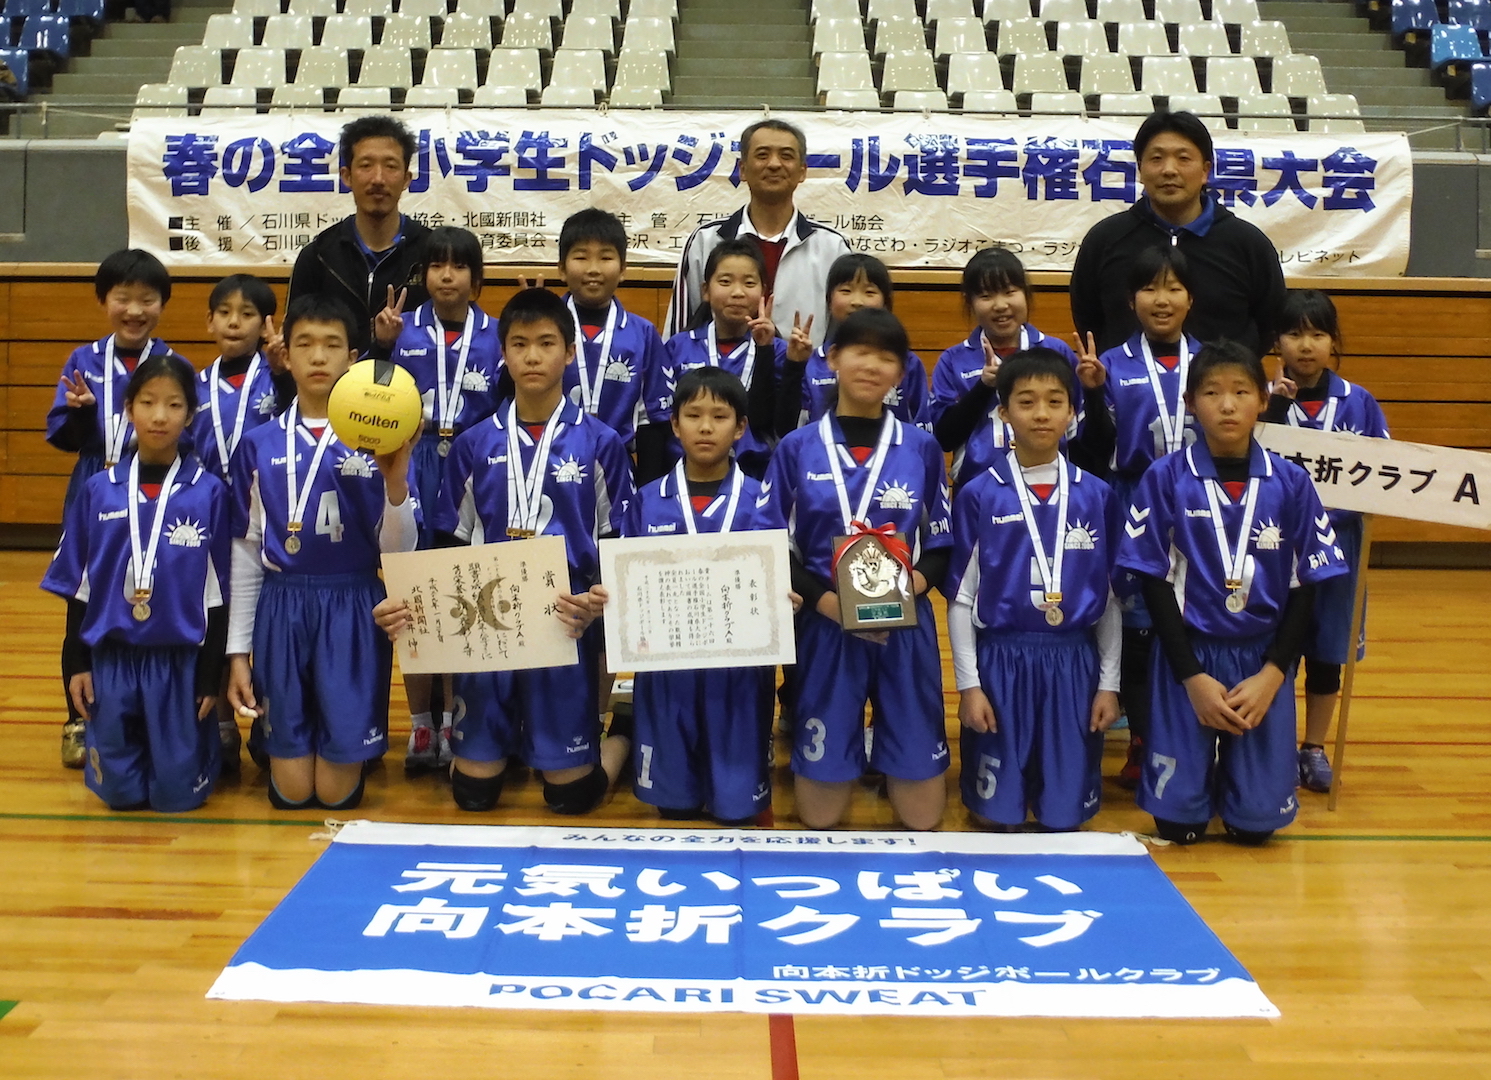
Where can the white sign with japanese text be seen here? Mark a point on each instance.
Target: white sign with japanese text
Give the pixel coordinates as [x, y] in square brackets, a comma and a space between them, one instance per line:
[489, 607]
[914, 190]
[707, 601]
[1417, 481]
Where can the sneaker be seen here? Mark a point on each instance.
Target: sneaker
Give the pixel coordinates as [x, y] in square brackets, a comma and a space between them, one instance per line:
[1133, 767]
[73, 747]
[231, 740]
[445, 756]
[424, 748]
[1314, 769]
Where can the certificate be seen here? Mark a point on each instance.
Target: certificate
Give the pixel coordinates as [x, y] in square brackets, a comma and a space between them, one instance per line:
[483, 608]
[706, 601]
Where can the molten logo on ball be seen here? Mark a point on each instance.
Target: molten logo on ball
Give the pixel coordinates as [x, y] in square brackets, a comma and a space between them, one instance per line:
[376, 406]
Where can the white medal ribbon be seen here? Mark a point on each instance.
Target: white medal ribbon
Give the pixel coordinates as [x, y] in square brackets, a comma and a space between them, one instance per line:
[525, 497]
[116, 427]
[748, 364]
[1234, 558]
[142, 562]
[297, 498]
[590, 388]
[999, 432]
[226, 445]
[1173, 425]
[875, 464]
[1049, 568]
[448, 391]
[680, 481]
[1297, 416]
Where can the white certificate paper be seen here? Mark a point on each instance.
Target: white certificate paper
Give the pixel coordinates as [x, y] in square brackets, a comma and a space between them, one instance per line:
[484, 608]
[706, 601]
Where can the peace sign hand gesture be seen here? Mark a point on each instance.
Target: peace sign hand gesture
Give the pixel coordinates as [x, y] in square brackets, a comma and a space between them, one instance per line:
[991, 362]
[77, 393]
[800, 344]
[761, 327]
[274, 347]
[389, 323]
[1090, 370]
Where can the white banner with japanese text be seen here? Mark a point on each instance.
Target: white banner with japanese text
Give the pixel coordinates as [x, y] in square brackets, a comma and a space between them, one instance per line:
[915, 190]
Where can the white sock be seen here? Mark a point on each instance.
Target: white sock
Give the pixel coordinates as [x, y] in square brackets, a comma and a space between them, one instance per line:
[447, 719]
[422, 719]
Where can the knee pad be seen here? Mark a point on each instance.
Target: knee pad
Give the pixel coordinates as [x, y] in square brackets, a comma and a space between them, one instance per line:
[623, 722]
[578, 796]
[279, 802]
[1179, 832]
[128, 808]
[476, 793]
[1322, 678]
[354, 797]
[673, 813]
[1248, 837]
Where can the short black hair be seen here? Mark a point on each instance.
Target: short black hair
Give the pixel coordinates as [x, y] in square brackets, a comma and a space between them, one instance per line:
[376, 127]
[715, 382]
[744, 247]
[320, 307]
[1154, 261]
[848, 267]
[773, 124]
[1185, 124]
[164, 366]
[530, 306]
[1310, 308]
[595, 224]
[253, 289]
[450, 244]
[992, 270]
[876, 328]
[1037, 363]
[1223, 354]
[131, 266]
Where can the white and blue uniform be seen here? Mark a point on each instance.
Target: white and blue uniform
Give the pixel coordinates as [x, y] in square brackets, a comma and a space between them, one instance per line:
[703, 737]
[303, 594]
[145, 743]
[457, 382]
[1347, 407]
[581, 481]
[611, 369]
[227, 412]
[1183, 527]
[904, 484]
[1039, 674]
[957, 370]
[909, 400]
[698, 348]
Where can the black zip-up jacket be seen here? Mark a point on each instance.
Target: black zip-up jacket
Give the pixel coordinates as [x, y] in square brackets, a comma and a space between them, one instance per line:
[333, 263]
[1237, 284]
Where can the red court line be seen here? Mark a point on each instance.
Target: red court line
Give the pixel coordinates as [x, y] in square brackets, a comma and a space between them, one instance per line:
[783, 1047]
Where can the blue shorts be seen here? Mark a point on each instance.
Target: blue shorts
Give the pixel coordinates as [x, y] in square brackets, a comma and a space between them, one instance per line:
[1042, 757]
[145, 743]
[1330, 632]
[550, 717]
[322, 667]
[704, 740]
[429, 470]
[838, 672]
[1193, 772]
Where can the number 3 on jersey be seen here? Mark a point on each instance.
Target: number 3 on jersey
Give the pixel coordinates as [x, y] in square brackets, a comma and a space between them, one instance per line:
[329, 517]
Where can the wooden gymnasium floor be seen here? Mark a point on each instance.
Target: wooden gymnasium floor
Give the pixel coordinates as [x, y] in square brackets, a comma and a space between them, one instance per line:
[1370, 928]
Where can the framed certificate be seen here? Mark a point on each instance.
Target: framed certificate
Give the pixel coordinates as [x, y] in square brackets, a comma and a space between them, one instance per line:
[705, 601]
[875, 591]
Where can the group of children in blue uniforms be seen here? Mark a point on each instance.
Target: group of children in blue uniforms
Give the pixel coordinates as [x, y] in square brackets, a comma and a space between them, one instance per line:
[1098, 505]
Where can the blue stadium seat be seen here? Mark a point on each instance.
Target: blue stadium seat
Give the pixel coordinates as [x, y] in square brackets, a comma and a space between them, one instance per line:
[50, 34]
[89, 11]
[1410, 16]
[19, 62]
[1480, 87]
[23, 9]
[1449, 45]
[1472, 13]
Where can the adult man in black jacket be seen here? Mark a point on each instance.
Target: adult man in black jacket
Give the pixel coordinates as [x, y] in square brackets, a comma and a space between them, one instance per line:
[1236, 279]
[371, 260]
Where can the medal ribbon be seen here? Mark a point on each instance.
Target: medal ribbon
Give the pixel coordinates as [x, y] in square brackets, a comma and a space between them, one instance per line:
[1174, 426]
[680, 481]
[448, 392]
[225, 445]
[748, 365]
[1234, 560]
[1050, 570]
[297, 499]
[525, 496]
[1296, 414]
[590, 388]
[142, 563]
[116, 427]
[876, 463]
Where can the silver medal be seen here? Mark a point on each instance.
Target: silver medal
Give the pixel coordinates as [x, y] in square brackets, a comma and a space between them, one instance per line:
[1236, 602]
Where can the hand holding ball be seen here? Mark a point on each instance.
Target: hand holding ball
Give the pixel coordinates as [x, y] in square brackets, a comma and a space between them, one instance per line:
[375, 406]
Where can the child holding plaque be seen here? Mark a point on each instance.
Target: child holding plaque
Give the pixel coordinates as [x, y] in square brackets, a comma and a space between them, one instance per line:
[312, 517]
[450, 346]
[1034, 627]
[143, 565]
[539, 466]
[1309, 394]
[865, 499]
[1228, 542]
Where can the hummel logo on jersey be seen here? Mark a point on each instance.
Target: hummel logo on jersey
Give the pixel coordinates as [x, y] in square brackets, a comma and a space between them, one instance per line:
[113, 515]
[375, 736]
[816, 476]
[416, 352]
[671, 526]
[355, 465]
[1199, 514]
[1134, 382]
[972, 374]
[1007, 519]
[498, 460]
[1134, 531]
[1139, 514]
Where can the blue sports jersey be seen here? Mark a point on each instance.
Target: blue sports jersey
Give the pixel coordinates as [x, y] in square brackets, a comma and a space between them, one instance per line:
[1140, 430]
[633, 350]
[418, 351]
[908, 400]
[994, 567]
[112, 434]
[655, 510]
[689, 350]
[218, 427]
[910, 493]
[587, 482]
[93, 561]
[343, 511]
[1171, 534]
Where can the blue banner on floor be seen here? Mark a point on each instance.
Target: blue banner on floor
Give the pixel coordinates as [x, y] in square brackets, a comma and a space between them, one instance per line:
[945, 924]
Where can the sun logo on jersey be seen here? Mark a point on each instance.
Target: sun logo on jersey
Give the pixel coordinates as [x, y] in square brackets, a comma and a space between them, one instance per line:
[186, 533]
[1267, 537]
[895, 496]
[619, 371]
[265, 405]
[1080, 537]
[568, 471]
[892, 397]
[476, 381]
[355, 465]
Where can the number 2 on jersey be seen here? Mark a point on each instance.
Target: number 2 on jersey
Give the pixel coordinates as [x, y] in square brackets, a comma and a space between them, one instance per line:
[329, 517]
